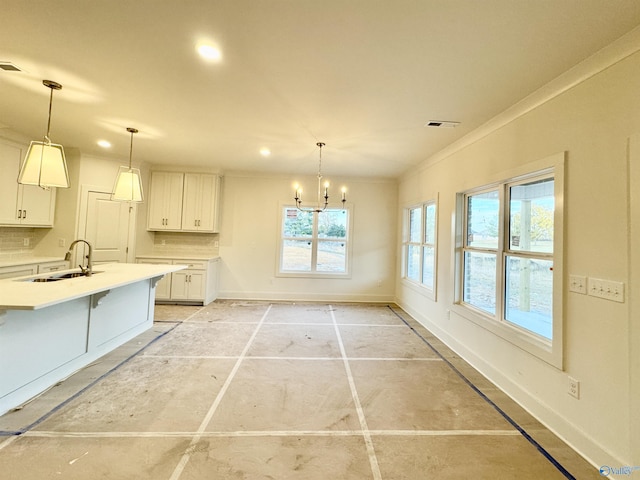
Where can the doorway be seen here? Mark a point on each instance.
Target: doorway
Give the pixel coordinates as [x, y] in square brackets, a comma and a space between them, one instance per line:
[108, 225]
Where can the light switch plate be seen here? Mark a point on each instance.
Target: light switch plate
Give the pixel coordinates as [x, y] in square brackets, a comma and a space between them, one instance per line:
[578, 284]
[607, 289]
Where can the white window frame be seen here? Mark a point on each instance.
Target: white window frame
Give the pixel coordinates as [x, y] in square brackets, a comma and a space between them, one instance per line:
[419, 284]
[551, 351]
[315, 240]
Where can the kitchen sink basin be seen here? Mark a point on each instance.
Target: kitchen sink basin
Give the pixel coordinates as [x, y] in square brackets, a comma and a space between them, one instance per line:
[57, 277]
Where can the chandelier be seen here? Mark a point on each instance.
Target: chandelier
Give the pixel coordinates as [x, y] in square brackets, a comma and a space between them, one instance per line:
[322, 200]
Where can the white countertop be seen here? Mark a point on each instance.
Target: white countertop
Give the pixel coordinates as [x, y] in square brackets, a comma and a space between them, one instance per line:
[179, 256]
[17, 294]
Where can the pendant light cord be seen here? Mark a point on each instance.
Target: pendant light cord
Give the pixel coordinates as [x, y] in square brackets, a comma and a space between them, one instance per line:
[49, 121]
[131, 131]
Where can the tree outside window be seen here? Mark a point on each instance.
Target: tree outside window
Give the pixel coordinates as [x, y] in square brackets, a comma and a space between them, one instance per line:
[314, 243]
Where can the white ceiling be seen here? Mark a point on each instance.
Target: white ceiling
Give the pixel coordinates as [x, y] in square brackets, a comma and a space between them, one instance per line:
[363, 76]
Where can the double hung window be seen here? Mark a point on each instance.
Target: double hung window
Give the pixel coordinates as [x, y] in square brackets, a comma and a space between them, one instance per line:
[420, 245]
[507, 274]
[314, 243]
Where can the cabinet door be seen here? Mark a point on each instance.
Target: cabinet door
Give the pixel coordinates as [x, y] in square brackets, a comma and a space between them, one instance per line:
[179, 285]
[38, 205]
[22, 204]
[163, 287]
[191, 201]
[200, 202]
[165, 201]
[10, 157]
[209, 203]
[196, 283]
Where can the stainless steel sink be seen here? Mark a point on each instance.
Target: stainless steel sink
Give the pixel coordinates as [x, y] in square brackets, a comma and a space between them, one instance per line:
[57, 277]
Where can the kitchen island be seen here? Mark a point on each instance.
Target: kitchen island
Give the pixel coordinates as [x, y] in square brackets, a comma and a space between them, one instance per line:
[50, 329]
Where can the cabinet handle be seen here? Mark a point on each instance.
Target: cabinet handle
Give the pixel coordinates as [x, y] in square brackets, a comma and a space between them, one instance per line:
[19, 213]
[24, 214]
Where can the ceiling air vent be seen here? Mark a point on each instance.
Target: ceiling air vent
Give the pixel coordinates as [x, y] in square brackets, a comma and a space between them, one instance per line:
[441, 124]
[9, 67]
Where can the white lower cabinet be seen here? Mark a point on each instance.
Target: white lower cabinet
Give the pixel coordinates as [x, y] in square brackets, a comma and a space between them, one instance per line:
[32, 268]
[18, 271]
[198, 283]
[163, 287]
[188, 285]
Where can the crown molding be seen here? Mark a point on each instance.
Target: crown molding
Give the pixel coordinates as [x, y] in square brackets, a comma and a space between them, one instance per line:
[606, 57]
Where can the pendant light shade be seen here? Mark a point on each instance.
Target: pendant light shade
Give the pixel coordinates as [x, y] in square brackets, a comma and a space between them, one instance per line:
[128, 186]
[44, 164]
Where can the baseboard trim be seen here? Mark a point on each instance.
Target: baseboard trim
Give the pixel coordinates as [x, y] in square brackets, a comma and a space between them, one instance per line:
[583, 444]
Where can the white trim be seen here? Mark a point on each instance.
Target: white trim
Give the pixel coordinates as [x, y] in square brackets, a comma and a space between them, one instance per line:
[418, 285]
[550, 352]
[617, 51]
[585, 445]
[314, 274]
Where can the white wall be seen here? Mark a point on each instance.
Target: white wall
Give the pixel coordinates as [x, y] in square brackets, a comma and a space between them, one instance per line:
[592, 122]
[98, 174]
[249, 238]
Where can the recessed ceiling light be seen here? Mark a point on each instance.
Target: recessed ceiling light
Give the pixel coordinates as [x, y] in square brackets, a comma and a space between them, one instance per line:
[265, 152]
[104, 144]
[209, 52]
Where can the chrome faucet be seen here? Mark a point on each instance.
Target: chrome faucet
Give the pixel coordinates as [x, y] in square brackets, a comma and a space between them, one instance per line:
[85, 271]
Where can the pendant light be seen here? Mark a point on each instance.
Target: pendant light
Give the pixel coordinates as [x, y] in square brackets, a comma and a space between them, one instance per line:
[128, 186]
[44, 164]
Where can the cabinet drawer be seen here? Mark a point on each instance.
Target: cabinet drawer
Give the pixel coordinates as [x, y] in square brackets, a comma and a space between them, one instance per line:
[18, 271]
[52, 267]
[154, 261]
[192, 264]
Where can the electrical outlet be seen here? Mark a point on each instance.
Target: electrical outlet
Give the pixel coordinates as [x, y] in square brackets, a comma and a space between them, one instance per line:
[606, 289]
[578, 284]
[62, 242]
[25, 242]
[573, 387]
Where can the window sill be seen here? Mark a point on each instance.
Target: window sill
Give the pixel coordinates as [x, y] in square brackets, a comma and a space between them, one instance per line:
[547, 351]
[314, 275]
[419, 288]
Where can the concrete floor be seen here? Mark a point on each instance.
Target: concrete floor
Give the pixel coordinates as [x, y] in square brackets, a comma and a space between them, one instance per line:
[252, 390]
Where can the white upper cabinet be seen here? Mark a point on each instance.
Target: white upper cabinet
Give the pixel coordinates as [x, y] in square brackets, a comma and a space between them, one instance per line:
[200, 202]
[184, 202]
[22, 205]
[165, 201]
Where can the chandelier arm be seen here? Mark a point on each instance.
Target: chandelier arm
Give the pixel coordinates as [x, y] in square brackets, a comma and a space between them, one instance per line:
[320, 207]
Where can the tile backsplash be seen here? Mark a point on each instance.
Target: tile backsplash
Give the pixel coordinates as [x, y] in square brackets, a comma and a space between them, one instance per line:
[202, 243]
[13, 239]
